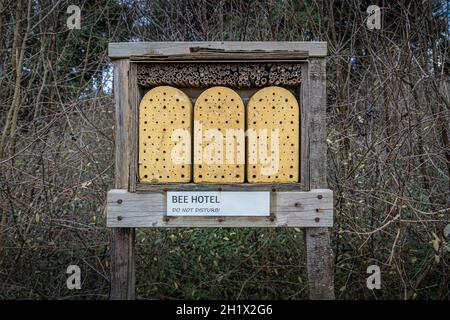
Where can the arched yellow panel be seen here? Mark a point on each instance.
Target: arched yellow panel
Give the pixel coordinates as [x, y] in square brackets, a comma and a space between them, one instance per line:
[273, 136]
[219, 137]
[165, 117]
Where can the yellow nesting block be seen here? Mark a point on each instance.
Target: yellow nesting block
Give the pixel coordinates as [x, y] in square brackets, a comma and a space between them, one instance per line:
[165, 117]
[273, 136]
[219, 137]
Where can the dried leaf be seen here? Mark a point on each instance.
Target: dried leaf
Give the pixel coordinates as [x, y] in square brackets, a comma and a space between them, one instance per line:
[435, 242]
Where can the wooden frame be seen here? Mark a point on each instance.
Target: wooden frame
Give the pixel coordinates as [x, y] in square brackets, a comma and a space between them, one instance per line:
[293, 205]
[136, 94]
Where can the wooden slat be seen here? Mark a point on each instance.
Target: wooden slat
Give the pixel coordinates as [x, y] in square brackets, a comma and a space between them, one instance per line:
[304, 128]
[148, 187]
[288, 209]
[132, 133]
[122, 127]
[127, 49]
[226, 55]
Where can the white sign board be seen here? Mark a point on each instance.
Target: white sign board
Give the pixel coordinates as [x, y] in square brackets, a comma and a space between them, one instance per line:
[217, 203]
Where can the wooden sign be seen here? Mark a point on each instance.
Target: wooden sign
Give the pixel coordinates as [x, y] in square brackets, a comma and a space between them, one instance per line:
[239, 128]
[287, 209]
[235, 128]
[217, 204]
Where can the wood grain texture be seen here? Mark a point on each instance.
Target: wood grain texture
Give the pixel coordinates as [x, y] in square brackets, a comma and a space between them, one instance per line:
[122, 264]
[122, 249]
[319, 256]
[219, 137]
[165, 117]
[118, 50]
[151, 187]
[288, 209]
[273, 136]
[226, 55]
[303, 96]
[122, 123]
[134, 98]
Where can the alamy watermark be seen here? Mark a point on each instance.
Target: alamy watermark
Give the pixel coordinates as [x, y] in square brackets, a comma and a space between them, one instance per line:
[74, 279]
[74, 20]
[214, 146]
[374, 280]
[374, 19]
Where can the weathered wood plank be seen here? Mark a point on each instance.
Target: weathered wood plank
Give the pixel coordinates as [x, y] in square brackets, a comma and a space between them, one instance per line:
[122, 264]
[317, 123]
[127, 49]
[288, 209]
[319, 256]
[305, 109]
[122, 123]
[227, 55]
[151, 187]
[134, 99]
[122, 250]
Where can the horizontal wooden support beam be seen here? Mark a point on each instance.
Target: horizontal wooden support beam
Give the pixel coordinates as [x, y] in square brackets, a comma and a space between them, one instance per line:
[152, 187]
[288, 209]
[117, 50]
[226, 55]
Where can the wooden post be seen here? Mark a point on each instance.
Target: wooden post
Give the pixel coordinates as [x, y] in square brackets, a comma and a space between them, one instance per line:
[319, 256]
[122, 251]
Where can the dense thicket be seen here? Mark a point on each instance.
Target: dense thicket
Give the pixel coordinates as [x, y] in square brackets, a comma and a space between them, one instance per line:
[388, 150]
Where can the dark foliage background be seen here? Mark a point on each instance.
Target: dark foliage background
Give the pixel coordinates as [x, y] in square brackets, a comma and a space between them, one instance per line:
[388, 150]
